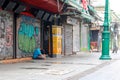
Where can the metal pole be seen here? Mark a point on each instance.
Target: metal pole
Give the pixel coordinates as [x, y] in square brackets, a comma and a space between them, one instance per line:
[106, 34]
[14, 36]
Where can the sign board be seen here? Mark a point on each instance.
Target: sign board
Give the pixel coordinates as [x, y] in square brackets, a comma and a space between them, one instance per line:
[72, 21]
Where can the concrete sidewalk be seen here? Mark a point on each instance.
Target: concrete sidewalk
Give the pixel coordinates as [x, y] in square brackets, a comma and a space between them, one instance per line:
[66, 68]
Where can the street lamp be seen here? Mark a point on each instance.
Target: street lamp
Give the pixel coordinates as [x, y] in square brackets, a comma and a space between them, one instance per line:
[106, 34]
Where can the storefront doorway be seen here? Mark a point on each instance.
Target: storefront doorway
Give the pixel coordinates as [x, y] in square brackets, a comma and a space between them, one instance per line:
[47, 38]
[94, 39]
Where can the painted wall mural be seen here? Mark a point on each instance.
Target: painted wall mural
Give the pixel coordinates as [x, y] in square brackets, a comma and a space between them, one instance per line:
[28, 35]
[6, 35]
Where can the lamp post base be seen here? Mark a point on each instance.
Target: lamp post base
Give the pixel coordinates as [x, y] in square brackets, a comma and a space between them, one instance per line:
[105, 57]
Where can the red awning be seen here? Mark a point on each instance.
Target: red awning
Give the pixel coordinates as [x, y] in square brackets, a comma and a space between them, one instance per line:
[27, 14]
[48, 5]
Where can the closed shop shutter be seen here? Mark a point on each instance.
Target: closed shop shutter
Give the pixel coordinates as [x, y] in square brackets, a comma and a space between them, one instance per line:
[84, 40]
[28, 32]
[68, 39]
[76, 38]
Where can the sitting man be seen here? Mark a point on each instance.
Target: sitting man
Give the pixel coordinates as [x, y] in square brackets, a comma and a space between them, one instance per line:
[38, 54]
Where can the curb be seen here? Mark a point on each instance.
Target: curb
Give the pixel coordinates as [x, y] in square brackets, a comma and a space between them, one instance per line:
[15, 60]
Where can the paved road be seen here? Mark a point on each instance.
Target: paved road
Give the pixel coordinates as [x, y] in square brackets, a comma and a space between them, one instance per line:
[50, 69]
[110, 72]
[85, 66]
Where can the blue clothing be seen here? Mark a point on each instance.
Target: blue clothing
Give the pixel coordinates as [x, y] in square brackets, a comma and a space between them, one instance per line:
[36, 53]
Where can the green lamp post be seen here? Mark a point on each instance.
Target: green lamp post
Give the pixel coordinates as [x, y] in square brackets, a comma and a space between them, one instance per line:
[106, 34]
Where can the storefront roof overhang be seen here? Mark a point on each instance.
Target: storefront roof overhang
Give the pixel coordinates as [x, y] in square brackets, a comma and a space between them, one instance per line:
[74, 4]
[87, 17]
[91, 9]
[93, 12]
[47, 5]
[83, 15]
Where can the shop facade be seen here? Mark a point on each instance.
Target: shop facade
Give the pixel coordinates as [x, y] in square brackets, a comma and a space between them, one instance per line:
[6, 35]
[22, 30]
[71, 35]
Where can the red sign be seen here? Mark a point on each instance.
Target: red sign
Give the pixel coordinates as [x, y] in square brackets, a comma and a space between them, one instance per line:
[84, 2]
